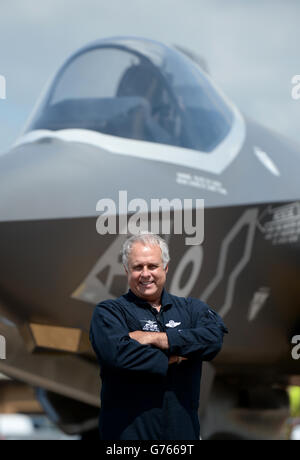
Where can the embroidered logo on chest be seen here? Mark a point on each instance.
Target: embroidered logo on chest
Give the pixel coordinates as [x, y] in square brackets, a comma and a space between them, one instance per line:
[150, 326]
[172, 323]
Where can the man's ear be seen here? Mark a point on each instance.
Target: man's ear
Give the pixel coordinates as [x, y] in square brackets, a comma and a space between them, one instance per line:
[167, 268]
[125, 269]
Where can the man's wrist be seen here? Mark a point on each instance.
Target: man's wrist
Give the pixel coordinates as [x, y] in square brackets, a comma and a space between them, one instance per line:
[159, 340]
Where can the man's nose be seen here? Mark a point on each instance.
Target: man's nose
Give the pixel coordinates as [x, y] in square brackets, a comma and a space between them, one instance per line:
[145, 272]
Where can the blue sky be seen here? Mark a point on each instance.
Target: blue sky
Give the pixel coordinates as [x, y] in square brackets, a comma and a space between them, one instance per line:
[251, 48]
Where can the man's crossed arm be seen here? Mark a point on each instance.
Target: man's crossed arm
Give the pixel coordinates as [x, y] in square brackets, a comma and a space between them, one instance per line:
[115, 346]
[157, 339]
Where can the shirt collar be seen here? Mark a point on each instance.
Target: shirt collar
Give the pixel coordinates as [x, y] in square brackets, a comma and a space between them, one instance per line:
[165, 299]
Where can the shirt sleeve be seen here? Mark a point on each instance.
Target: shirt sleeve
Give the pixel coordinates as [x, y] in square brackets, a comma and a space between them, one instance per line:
[205, 339]
[115, 349]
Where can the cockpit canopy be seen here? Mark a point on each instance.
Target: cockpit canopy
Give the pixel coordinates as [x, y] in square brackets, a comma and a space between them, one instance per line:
[136, 89]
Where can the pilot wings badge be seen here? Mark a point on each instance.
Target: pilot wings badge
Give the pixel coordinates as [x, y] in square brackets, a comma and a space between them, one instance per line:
[172, 323]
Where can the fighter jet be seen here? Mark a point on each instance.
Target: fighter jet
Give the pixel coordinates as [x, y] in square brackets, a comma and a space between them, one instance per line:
[136, 116]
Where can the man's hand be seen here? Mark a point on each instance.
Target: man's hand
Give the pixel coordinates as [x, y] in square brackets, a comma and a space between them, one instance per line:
[157, 339]
[176, 359]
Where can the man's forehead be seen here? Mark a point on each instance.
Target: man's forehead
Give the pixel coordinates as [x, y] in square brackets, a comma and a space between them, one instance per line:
[140, 250]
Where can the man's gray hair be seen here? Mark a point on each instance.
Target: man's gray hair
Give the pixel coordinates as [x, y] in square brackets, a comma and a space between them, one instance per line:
[146, 238]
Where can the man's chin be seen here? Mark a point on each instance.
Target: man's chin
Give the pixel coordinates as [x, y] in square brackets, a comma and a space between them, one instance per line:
[148, 292]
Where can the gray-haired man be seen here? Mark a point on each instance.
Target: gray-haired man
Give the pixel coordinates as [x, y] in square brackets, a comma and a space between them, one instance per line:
[139, 338]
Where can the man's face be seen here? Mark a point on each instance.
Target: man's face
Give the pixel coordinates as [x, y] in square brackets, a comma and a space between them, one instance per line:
[146, 273]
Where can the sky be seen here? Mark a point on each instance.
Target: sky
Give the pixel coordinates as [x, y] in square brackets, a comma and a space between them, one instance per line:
[251, 48]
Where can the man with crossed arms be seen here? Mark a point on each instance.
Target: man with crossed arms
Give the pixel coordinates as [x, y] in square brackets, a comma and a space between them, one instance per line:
[150, 346]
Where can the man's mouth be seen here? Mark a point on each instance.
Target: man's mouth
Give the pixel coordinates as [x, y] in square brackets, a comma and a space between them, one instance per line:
[146, 283]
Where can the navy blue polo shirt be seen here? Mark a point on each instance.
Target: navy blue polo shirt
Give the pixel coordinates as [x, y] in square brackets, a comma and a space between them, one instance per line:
[142, 396]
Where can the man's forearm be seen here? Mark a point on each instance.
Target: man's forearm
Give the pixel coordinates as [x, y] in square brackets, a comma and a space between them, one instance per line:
[157, 339]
